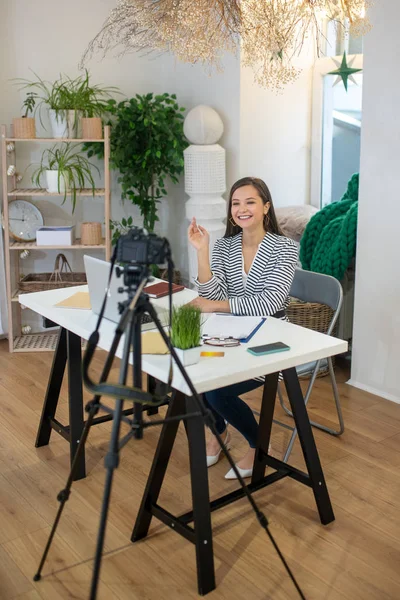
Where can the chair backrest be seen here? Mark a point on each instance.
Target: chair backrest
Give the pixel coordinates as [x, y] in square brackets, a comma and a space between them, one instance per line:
[317, 287]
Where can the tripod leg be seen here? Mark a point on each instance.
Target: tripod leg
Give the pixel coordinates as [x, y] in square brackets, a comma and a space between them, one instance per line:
[92, 408]
[158, 468]
[151, 387]
[200, 500]
[63, 496]
[308, 447]
[111, 463]
[137, 375]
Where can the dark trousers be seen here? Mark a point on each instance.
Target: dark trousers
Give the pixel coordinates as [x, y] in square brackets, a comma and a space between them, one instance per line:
[227, 407]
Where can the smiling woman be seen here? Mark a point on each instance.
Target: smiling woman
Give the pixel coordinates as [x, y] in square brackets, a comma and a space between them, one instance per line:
[251, 272]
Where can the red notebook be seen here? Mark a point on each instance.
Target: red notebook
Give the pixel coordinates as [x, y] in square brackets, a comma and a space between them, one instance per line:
[158, 290]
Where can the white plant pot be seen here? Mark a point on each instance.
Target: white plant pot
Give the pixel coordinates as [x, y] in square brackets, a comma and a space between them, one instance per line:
[190, 356]
[74, 124]
[52, 182]
[59, 124]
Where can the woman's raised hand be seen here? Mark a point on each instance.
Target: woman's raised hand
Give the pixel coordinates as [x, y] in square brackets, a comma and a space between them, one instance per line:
[198, 236]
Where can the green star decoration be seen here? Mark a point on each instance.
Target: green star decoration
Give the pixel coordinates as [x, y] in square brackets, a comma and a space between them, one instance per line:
[344, 71]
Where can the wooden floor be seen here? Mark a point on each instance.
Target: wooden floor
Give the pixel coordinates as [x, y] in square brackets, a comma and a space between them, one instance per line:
[356, 557]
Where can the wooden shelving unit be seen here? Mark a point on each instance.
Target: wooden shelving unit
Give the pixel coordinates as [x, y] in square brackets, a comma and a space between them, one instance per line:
[32, 192]
[42, 341]
[75, 246]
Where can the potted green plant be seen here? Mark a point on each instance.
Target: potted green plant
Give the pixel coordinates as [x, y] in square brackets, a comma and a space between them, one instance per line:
[68, 100]
[66, 171]
[91, 101]
[25, 127]
[186, 334]
[51, 95]
[147, 144]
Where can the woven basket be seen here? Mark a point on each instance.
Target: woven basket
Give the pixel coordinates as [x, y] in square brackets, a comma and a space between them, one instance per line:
[24, 127]
[91, 234]
[311, 315]
[59, 278]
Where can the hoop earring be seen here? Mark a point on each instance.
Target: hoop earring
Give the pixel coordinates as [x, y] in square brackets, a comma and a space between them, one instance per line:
[267, 221]
[232, 222]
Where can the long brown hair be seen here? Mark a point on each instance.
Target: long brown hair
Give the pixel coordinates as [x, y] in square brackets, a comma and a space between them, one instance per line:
[270, 222]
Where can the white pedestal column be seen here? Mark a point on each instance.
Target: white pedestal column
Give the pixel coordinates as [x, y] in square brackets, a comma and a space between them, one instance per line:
[205, 183]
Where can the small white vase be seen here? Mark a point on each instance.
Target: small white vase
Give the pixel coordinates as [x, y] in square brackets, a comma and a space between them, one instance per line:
[59, 124]
[188, 357]
[52, 182]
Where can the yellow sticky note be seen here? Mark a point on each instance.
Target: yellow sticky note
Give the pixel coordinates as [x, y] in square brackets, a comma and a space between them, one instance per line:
[77, 300]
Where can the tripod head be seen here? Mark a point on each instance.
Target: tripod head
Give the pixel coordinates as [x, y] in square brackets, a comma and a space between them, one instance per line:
[138, 247]
[133, 276]
[136, 252]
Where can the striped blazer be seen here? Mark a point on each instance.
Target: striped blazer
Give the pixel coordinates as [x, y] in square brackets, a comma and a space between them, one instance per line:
[268, 282]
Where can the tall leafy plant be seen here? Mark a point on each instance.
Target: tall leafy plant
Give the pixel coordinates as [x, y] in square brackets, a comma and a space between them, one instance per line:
[147, 144]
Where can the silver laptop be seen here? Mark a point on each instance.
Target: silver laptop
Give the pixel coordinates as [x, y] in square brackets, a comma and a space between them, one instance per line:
[97, 273]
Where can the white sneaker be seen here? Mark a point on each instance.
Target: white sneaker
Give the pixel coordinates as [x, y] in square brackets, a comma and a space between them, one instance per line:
[213, 459]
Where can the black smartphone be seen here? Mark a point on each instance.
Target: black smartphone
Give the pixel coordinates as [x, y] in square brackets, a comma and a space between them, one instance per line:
[268, 348]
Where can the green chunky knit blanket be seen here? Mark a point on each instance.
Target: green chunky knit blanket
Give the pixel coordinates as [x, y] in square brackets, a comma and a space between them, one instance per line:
[328, 244]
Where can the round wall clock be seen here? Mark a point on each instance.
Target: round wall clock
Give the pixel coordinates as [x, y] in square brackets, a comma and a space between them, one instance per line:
[24, 219]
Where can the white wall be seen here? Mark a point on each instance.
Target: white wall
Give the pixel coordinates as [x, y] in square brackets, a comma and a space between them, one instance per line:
[266, 135]
[275, 134]
[376, 340]
[50, 38]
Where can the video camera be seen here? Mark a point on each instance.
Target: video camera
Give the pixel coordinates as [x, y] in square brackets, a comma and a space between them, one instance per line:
[142, 248]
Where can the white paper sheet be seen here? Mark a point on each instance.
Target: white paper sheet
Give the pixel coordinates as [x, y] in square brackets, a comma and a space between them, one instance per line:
[218, 325]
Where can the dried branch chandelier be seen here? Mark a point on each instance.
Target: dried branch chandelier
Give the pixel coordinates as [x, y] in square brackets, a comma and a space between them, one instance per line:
[270, 32]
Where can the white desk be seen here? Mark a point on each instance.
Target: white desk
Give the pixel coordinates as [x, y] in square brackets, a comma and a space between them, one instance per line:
[210, 373]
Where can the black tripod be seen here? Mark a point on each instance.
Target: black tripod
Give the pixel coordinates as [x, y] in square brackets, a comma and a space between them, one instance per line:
[135, 278]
